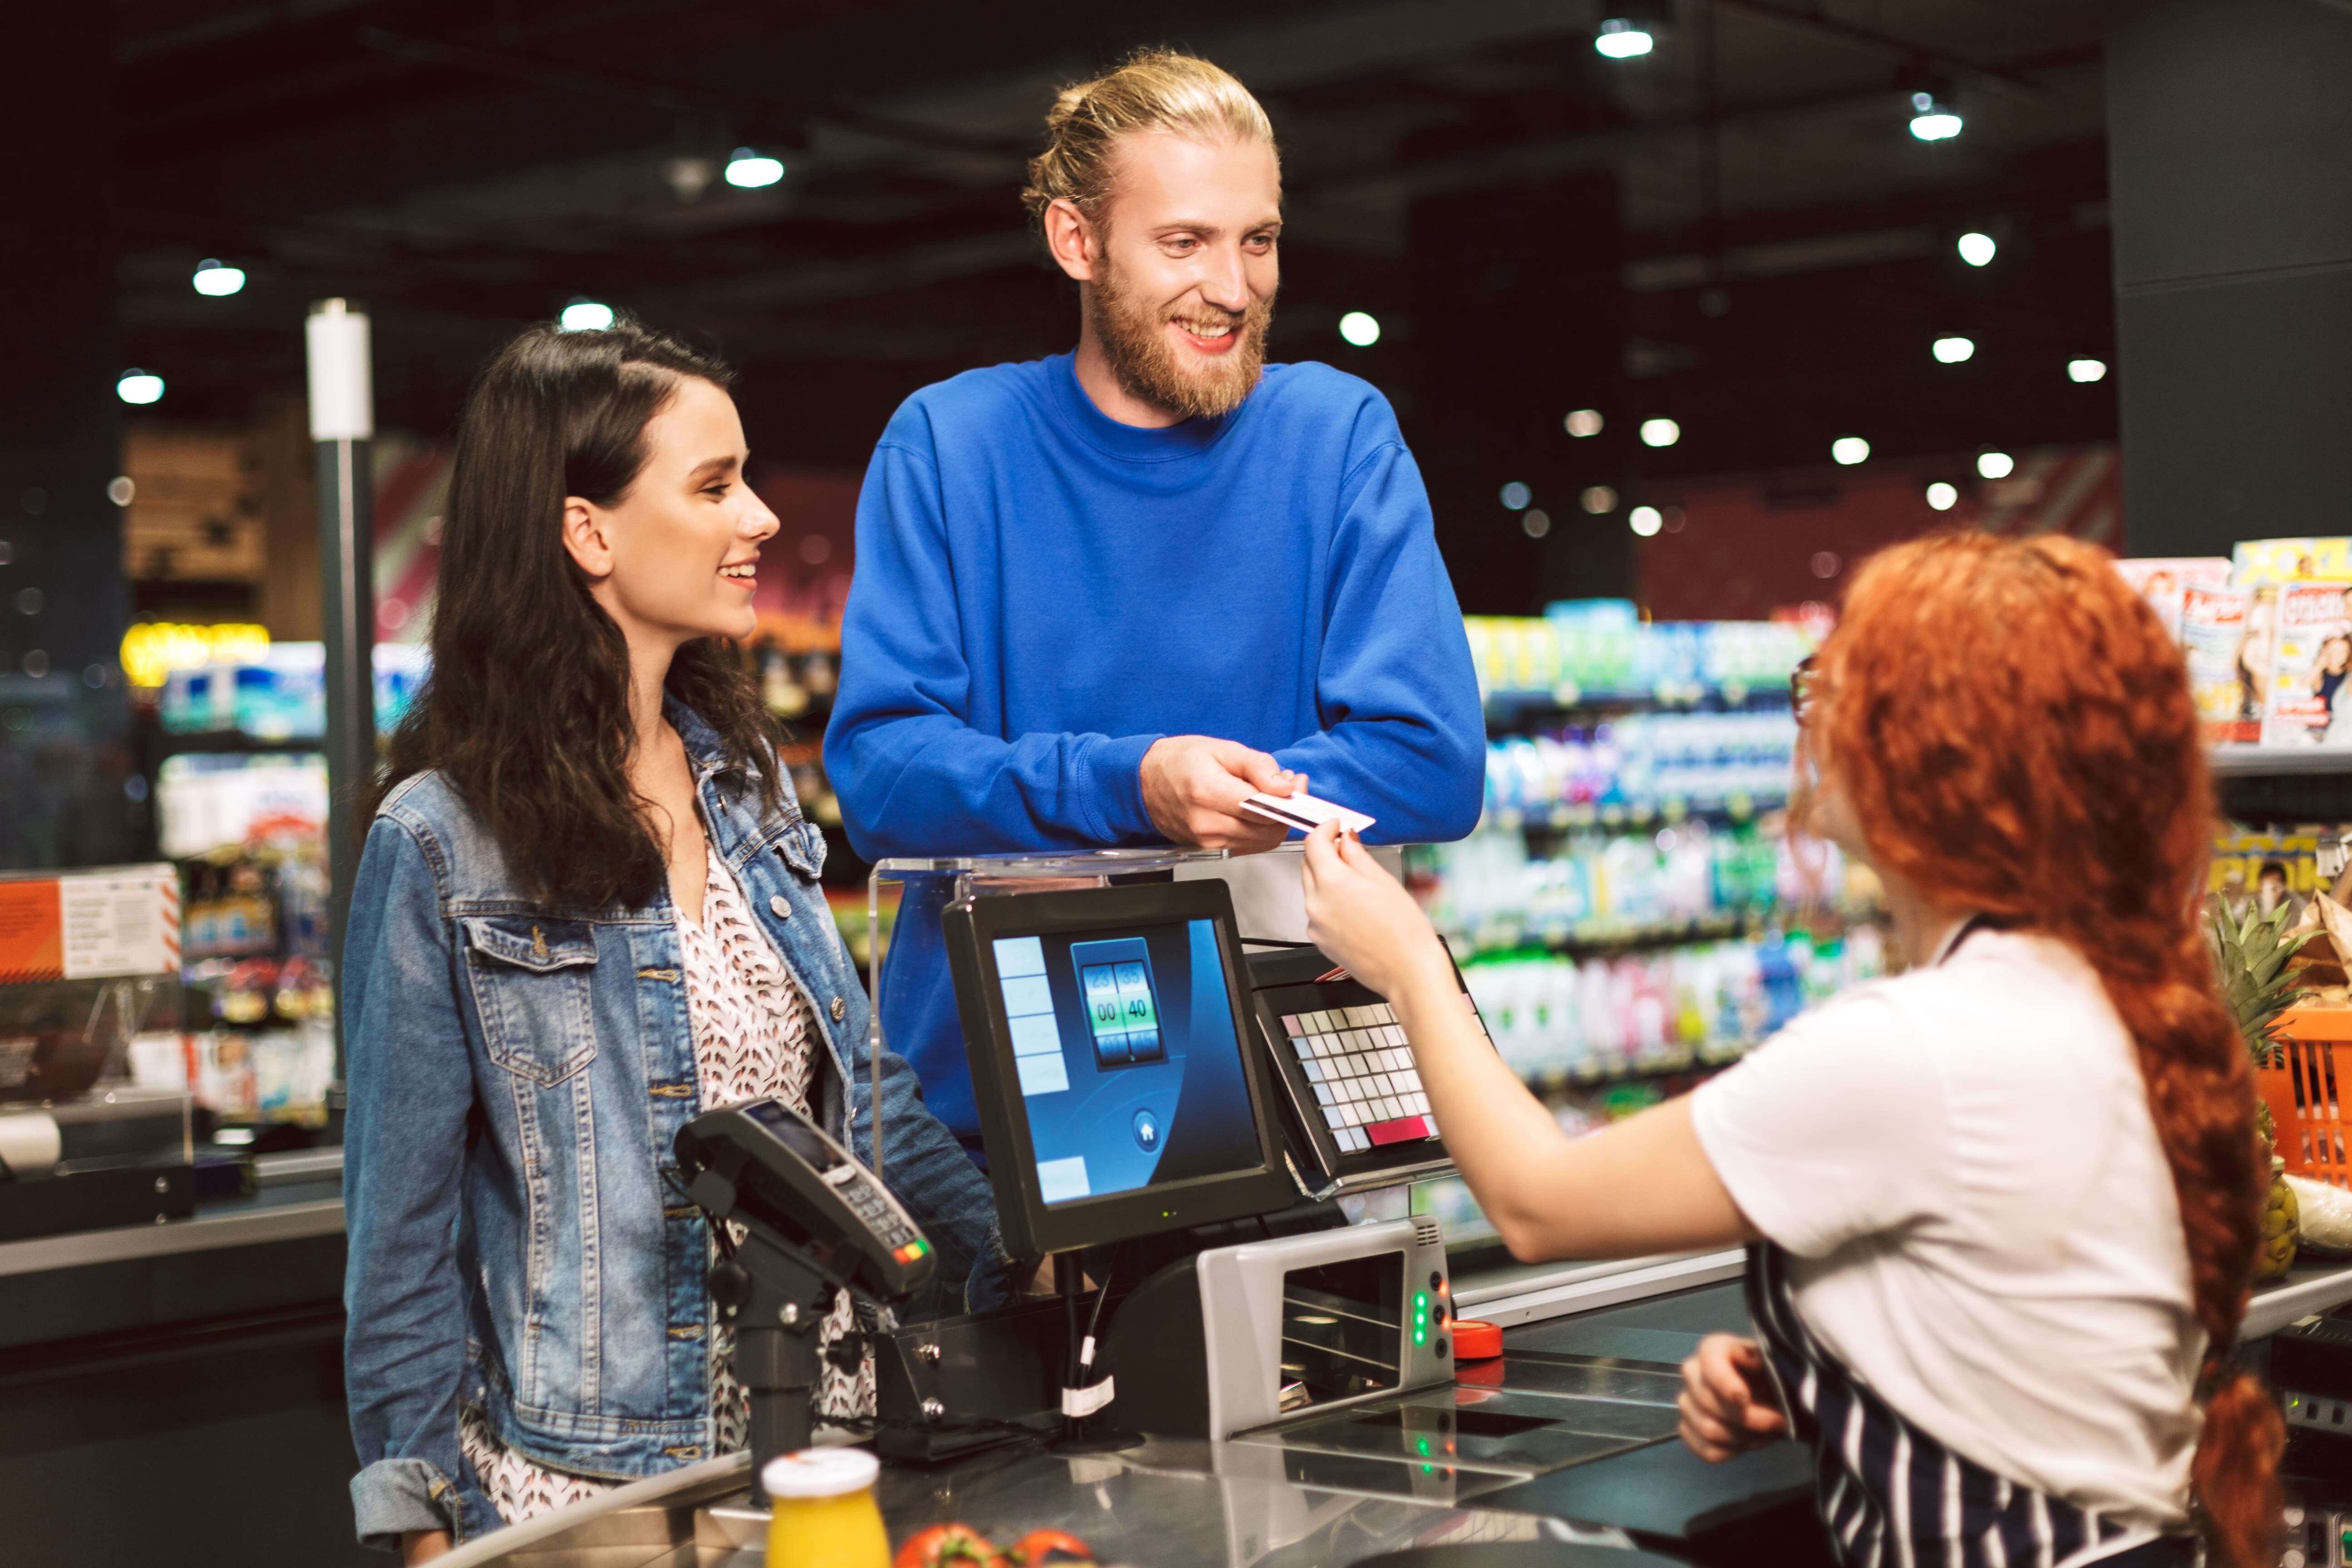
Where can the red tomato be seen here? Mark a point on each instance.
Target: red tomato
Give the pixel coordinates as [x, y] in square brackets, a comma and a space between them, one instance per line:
[948, 1546]
[1043, 1546]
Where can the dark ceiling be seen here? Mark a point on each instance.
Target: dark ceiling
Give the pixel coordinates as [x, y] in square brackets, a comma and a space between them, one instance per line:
[1778, 258]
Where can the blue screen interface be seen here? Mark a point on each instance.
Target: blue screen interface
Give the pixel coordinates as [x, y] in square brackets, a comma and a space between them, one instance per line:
[1129, 1069]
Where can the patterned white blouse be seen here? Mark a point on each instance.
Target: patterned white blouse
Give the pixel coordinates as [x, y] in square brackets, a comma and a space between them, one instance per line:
[754, 1037]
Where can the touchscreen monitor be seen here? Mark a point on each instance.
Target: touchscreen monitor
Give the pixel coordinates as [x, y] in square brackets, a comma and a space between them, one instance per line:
[1107, 1030]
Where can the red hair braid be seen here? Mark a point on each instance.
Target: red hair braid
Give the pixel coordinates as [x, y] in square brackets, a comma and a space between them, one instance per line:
[2013, 728]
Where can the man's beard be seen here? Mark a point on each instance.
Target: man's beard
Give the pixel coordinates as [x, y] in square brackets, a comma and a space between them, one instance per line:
[1135, 340]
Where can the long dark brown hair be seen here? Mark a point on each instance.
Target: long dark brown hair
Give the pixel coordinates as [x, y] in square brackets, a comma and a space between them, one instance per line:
[2014, 729]
[526, 713]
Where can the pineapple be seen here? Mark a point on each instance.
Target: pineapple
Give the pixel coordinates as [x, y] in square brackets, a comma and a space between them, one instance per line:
[2252, 955]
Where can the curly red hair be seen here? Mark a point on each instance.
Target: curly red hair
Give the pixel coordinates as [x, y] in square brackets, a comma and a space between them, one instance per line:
[2012, 726]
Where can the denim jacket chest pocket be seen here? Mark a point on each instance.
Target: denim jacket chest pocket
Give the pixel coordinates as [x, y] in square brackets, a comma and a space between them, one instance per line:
[531, 976]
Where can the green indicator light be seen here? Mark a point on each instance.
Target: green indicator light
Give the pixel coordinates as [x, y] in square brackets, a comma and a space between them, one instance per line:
[1422, 1443]
[1418, 1336]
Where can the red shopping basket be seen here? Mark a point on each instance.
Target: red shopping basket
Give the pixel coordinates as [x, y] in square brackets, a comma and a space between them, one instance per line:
[2305, 1086]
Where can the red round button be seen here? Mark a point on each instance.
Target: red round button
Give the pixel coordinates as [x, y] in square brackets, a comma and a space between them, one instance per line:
[1476, 1340]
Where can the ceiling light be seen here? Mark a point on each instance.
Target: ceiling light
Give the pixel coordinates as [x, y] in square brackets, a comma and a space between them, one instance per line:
[1516, 495]
[1943, 497]
[1535, 522]
[586, 316]
[1622, 38]
[1996, 465]
[214, 278]
[1660, 433]
[1978, 249]
[2086, 369]
[1598, 500]
[1361, 329]
[1645, 520]
[1849, 450]
[1932, 118]
[750, 171]
[1952, 350]
[1583, 422]
[137, 386]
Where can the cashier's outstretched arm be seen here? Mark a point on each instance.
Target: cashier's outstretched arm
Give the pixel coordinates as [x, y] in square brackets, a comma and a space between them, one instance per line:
[1641, 1186]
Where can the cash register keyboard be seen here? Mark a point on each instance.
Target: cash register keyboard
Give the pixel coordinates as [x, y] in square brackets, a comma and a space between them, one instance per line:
[1363, 1074]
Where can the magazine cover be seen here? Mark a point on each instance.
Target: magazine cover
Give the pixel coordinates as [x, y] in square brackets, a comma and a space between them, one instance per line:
[2240, 858]
[2310, 660]
[2162, 580]
[2268, 563]
[2213, 636]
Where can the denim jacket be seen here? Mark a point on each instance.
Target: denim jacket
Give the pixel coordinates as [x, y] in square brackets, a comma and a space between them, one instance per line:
[520, 1239]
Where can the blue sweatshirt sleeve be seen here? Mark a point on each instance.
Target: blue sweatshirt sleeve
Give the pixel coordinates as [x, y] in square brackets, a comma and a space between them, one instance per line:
[1403, 735]
[912, 776]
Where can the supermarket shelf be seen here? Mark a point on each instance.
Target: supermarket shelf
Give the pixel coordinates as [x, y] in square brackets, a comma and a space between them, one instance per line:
[1724, 928]
[1517, 707]
[235, 742]
[2311, 1288]
[1692, 1060]
[1566, 819]
[2264, 761]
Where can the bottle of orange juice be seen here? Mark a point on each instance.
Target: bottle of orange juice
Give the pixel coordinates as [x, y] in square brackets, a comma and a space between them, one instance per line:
[822, 1510]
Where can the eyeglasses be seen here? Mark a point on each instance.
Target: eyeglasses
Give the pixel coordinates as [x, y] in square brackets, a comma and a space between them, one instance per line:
[1801, 689]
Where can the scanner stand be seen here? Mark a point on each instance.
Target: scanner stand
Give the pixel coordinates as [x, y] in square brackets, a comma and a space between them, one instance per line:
[775, 1298]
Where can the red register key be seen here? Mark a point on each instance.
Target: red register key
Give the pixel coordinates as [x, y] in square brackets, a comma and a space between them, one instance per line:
[1405, 1128]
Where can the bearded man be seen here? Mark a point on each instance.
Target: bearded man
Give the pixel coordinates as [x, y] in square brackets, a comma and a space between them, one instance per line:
[1103, 597]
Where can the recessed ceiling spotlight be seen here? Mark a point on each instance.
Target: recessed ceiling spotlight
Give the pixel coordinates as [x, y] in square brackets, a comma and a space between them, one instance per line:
[1645, 520]
[1943, 496]
[1598, 500]
[1978, 249]
[1995, 464]
[217, 278]
[586, 316]
[1583, 422]
[138, 386]
[1660, 433]
[1516, 495]
[1360, 327]
[1952, 350]
[1848, 450]
[1631, 28]
[752, 170]
[2086, 369]
[1933, 118]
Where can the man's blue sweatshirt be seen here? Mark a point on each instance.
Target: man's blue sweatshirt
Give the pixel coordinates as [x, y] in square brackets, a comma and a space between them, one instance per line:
[1042, 592]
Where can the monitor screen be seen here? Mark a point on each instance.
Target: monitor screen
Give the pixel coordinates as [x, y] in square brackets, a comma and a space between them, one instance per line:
[1129, 1069]
[1105, 1028]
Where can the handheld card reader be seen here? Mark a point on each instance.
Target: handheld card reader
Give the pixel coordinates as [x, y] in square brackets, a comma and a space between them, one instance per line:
[815, 1221]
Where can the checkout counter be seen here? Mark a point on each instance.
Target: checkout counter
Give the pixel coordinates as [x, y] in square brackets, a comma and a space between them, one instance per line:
[1289, 1382]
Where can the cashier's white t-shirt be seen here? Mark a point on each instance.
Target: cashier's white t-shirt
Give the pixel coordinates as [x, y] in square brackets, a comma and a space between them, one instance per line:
[1982, 1223]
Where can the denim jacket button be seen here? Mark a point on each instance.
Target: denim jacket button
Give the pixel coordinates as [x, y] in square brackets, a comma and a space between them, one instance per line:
[778, 907]
[839, 1008]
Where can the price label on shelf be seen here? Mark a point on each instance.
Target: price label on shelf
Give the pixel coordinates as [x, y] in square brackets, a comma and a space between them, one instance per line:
[91, 925]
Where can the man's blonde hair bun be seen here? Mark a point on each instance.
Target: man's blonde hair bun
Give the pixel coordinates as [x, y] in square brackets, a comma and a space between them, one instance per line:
[1152, 89]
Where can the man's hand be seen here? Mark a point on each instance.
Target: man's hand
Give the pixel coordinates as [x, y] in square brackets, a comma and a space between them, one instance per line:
[1193, 786]
[1721, 1414]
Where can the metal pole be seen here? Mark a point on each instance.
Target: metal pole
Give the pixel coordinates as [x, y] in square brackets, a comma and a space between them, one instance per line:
[343, 423]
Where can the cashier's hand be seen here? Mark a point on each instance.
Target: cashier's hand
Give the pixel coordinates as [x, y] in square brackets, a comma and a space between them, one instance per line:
[1193, 786]
[1722, 1417]
[1363, 918]
[423, 1545]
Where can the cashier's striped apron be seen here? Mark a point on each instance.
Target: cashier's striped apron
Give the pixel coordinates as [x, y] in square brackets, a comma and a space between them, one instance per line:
[1893, 1496]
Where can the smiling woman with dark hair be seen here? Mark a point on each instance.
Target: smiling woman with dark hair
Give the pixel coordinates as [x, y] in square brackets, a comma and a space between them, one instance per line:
[588, 910]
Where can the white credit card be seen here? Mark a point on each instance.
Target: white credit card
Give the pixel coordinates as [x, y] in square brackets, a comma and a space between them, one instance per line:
[1304, 812]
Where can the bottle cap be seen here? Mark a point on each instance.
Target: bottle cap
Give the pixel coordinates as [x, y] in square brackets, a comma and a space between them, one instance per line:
[820, 1473]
